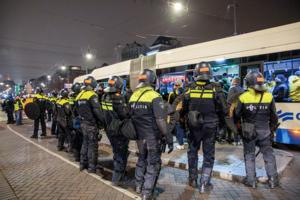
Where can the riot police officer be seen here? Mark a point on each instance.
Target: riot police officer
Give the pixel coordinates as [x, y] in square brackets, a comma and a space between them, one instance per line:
[149, 117]
[256, 108]
[203, 107]
[53, 100]
[9, 109]
[77, 137]
[90, 118]
[64, 116]
[41, 100]
[114, 107]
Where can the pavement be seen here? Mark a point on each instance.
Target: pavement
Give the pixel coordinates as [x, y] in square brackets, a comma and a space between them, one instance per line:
[229, 160]
[33, 169]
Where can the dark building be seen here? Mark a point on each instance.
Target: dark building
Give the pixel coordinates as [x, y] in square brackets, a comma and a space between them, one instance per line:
[163, 43]
[133, 50]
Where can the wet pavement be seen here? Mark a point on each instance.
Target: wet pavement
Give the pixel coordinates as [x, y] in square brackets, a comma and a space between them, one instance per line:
[33, 173]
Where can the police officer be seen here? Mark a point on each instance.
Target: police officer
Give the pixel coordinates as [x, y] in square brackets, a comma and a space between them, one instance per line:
[9, 109]
[257, 107]
[114, 107]
[203, 106]
[90, 118]
[64, 116]
[149, 117]
[77, 137]
[53, 100]
[41, 100]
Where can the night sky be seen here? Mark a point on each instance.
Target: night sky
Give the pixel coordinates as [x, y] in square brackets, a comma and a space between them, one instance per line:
[37, 36]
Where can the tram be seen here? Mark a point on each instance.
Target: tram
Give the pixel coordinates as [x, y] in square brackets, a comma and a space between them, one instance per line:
[275, 52]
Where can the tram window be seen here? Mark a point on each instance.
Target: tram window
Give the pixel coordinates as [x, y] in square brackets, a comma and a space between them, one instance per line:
[283, 79]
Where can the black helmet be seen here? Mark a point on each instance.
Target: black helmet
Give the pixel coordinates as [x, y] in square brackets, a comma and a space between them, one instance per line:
[202, 72]
[76, 87]
[64, 93]
[147, 78]
[115, 84]
[38, 90]
[54, 93]
[256, 81]
[90, 81]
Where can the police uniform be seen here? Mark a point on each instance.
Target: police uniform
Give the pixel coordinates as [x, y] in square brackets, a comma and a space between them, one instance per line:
[90, 117]
[147, 107]
[114, 106]
[261, 115]
[53, 101]
[77, 136]
[205, 98]
[41, 100]
[9, 109]
[64, 115]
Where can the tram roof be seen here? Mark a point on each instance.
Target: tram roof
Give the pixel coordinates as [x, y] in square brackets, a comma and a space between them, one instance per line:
[272, 40]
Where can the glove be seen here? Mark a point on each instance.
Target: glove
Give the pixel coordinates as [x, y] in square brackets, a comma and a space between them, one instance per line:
[164, 145]
[171, 147]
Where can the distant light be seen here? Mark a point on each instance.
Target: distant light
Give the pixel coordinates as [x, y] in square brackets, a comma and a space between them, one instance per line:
[49, 77]
[89, 56]
[43, 85]
[177, 6]
[7, 85]
[63, 67]
[1, 83]
[220, 60]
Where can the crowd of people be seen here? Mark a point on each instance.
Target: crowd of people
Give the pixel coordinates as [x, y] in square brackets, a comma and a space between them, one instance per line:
[196, 112]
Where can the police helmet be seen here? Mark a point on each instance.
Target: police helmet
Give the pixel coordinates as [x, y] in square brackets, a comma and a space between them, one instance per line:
[115, 84]
[38, 90]
[256, 81]
[147, 78]
[203, 72]
[280, 78]
[90, 81]
[64, 93]
[76, 87]
[54, 93]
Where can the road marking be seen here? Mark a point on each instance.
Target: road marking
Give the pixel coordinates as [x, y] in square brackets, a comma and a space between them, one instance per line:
[127, 193]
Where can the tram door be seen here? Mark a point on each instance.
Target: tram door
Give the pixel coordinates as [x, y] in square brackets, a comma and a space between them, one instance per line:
[248, 67]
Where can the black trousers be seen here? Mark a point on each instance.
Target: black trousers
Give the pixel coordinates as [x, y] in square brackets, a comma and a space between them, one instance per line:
[36, 124]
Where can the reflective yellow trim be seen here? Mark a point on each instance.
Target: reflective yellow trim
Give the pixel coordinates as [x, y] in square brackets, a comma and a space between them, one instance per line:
[62, 102]
[85, 95]
[147, 96]
[204, 96]
[253, 97]
[200, 91]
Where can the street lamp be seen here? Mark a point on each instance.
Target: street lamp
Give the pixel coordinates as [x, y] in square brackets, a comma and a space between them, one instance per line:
[177, 6]
[1, 83]
[63, 67]
[234, 7]
[89, 56]
[49, 77]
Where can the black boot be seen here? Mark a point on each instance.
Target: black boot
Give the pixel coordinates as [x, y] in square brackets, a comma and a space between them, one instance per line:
[250, 183]
[193, 182]
[205, 187]
[273, 182]
[138, 189]
[34, 136]
[147, 197]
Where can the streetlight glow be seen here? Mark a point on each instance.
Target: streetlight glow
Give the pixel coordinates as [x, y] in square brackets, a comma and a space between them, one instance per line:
[1, 83]
[177, 6]
[63, 67]
[49, 77]
[89, 56]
